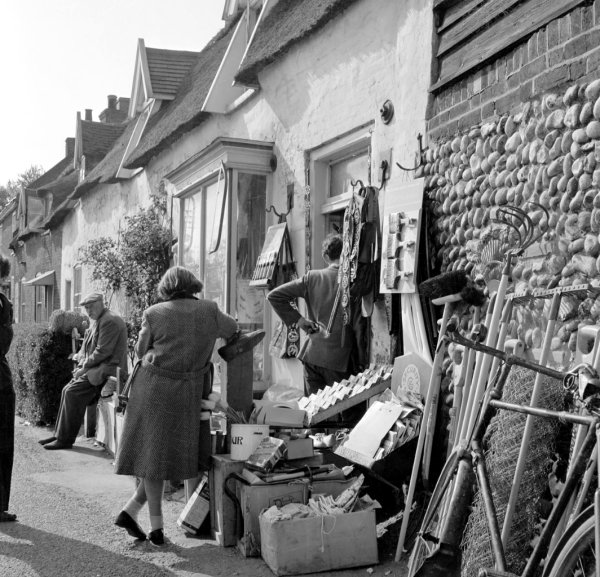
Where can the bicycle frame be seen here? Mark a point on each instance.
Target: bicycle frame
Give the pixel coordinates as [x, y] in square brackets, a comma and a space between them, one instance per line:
[452, 530]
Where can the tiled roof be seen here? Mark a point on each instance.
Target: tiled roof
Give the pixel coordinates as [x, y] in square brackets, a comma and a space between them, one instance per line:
[168, 68]
[288, 22]
[97, 137]
[106, 169]
[184, 112]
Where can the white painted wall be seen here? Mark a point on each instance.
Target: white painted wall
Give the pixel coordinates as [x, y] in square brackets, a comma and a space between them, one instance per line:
[327, 85]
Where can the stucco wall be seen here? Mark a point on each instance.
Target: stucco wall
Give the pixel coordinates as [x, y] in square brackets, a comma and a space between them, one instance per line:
[328, 85]
[99, 213]
[39, 254]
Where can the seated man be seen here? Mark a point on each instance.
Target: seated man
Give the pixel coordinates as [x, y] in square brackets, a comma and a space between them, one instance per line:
[103, 350]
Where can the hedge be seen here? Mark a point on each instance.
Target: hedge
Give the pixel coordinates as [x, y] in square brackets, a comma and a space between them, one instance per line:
[40, 365]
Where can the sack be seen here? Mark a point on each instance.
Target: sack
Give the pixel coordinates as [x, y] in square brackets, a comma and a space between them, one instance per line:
[126, 391]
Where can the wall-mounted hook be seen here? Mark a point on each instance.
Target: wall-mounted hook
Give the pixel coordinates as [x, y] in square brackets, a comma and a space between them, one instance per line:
[421, 156]
[281, 216]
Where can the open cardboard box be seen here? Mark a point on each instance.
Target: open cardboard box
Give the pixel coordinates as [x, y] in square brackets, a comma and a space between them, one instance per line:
[314, 544]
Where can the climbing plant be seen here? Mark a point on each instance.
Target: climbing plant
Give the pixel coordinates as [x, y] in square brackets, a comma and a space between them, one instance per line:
[135, 261]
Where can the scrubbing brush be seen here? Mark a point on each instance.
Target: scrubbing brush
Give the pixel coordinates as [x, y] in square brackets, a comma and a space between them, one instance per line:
[452, 286]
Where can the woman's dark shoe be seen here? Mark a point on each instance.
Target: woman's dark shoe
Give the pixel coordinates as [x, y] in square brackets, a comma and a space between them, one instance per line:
[127, 522]
[157, 537]
[46, 441]
[6, 517]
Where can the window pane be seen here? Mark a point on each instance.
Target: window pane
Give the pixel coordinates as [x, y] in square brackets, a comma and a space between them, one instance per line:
[251, 225]
[348, 170]
[192, 212]
[215, 272]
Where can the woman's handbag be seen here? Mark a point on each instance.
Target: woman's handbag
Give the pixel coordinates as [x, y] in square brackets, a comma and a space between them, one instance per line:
[124, 394]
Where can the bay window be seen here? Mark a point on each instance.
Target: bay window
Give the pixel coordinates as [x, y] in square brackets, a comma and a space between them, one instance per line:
[221, 226]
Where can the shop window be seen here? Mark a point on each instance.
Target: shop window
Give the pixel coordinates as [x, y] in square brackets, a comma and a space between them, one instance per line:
[334, 168]
[222, 225]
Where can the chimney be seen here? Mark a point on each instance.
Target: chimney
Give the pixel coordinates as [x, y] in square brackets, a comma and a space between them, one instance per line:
[88, 114]
[115, 113]
[123, 104]
[69, 147]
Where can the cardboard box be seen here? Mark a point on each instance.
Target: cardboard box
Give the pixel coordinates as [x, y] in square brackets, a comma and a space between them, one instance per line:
[255, 498]
[333, 487]
[299, 449]
[223, 512]
[317, 544]
[196, 509]
[266, 455]
[280, 416]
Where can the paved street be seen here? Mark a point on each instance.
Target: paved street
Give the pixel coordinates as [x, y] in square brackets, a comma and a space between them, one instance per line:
[66, 502]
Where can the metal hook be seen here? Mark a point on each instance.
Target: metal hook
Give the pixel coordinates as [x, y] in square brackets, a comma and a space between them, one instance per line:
[421, 156]
[281, 216]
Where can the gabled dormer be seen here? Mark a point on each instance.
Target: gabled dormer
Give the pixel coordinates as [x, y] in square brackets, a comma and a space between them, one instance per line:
[157, 77]
[224, 95]
[37, 200]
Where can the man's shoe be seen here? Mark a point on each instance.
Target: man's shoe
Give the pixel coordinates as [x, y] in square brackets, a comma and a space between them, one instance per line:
[6, 517]
[46, 441]
[157, 537]
[127, 522]
[57, 445]
[241, 344]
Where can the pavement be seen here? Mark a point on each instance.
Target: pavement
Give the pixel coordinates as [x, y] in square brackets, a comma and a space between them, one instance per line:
[66, 502]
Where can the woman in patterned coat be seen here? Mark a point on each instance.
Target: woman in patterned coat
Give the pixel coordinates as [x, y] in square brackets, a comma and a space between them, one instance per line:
[163, 434]
[7, 401]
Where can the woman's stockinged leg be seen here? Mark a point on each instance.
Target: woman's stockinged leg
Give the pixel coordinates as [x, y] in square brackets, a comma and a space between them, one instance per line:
[154, 492]
[137, 500]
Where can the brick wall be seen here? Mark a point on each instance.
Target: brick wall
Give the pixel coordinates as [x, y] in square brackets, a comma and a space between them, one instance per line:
[565, 51]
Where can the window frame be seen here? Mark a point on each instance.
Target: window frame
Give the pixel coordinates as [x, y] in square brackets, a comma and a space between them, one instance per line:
[77, 277]
[321, 158]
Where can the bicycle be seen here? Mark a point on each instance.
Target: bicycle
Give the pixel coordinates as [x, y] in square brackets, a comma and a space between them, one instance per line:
[436, 551]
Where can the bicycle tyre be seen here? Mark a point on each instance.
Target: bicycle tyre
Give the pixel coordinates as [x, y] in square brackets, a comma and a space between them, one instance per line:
[423, 547]
[574, 553]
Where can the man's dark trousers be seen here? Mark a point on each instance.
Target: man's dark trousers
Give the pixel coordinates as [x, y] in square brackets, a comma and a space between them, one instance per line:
[74, 399]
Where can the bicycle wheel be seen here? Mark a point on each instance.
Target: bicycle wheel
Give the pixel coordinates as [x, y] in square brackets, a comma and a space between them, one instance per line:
[574, 554]
[432, 523]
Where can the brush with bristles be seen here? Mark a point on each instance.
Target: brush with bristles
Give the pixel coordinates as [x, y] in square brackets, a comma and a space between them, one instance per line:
[452, 286]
